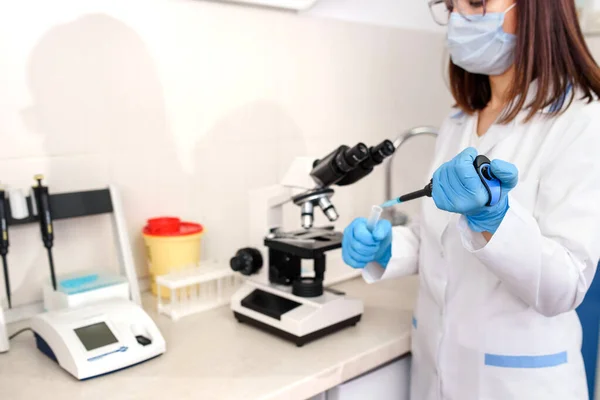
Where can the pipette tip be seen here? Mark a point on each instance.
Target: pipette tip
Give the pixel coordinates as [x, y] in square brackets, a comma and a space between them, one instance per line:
[390, 203]
[52, 274]
[6, 281]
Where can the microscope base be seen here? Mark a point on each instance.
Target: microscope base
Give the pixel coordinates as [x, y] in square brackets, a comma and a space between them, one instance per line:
[276, 310]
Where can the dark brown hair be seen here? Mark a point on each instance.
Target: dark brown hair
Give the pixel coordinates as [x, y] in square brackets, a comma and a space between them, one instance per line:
[550, 48]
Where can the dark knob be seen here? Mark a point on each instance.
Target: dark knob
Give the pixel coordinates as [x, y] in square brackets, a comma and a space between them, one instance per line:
[246, 261]
[307, 287]
[143, 340]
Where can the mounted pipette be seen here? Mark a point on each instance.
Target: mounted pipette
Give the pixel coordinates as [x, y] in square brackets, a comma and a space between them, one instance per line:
[42, 199]
[4, 243]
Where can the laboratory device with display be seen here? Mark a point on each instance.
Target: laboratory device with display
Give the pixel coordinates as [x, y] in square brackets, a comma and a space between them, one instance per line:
[98, 339]
[94, 323]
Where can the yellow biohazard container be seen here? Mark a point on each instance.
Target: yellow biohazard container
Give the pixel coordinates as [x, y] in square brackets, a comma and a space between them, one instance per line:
[171, 245]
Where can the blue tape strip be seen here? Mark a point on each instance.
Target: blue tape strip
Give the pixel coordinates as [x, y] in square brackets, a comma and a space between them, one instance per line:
[121, 349]
[545, 361]
[414, 322]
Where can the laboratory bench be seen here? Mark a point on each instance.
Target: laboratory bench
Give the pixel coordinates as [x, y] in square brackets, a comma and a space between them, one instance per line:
[212, 356]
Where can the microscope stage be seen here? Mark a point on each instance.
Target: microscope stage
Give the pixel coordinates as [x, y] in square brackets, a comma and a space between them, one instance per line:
[301, 320]
[296, 243]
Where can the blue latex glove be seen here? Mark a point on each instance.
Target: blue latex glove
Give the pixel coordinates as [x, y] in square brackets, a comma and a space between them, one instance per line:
[361, 246]
[457, 188]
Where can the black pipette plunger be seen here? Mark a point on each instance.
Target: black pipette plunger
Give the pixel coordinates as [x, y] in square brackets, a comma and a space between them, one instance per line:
[4, 242]
[42, 199]
[425, 192]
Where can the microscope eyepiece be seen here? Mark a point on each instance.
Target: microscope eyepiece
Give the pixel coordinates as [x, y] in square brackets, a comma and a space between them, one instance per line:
[376, 156]
[348, 160]
[382, 151]
[337, 164]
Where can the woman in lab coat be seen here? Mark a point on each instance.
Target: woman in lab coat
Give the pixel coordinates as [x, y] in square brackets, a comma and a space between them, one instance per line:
[499, 285]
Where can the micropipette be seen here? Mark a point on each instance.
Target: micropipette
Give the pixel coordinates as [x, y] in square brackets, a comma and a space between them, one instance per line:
[43, 205]
[482, 166]
[4, 242]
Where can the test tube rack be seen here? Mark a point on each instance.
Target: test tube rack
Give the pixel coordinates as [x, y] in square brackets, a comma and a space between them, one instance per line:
[195, 289]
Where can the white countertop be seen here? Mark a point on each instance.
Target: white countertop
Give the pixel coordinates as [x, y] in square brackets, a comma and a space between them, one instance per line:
[212, 356]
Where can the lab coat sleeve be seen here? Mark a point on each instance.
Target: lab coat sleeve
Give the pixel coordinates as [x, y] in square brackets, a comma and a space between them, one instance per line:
[405, 253]
[548, 258]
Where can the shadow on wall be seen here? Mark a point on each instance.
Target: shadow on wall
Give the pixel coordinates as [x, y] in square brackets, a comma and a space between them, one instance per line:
[249, 148]
[96, 91]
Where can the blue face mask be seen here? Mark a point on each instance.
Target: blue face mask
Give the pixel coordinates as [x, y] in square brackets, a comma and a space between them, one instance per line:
[480, 45]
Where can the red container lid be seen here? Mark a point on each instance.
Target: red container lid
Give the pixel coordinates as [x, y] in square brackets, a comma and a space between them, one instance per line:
[170, 226]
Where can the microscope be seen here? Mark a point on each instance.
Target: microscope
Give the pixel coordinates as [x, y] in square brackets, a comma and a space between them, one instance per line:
[292, 304]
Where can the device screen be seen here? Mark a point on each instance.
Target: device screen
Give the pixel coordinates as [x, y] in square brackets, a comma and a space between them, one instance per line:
[95, 336]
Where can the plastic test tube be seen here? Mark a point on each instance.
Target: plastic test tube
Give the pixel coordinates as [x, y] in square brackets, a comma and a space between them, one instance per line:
[374, 217]
[371, 224]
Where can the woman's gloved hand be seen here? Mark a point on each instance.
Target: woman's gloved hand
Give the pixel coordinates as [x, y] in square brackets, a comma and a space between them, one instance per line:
[457, 188]
[361, 246]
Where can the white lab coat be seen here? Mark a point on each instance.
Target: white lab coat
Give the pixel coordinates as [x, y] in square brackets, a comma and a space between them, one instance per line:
[496, 321]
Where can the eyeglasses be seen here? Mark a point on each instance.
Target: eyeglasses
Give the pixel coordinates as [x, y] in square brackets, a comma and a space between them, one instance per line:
[441, 9]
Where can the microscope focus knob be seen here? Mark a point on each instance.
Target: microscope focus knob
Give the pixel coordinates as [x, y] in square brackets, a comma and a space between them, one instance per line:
[246, 261]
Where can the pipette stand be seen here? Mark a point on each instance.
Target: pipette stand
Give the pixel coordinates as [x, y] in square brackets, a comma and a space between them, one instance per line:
[82, 204]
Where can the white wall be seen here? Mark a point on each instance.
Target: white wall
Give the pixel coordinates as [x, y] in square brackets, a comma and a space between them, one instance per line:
[187, 105]
[410, 14]
[594, 45]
